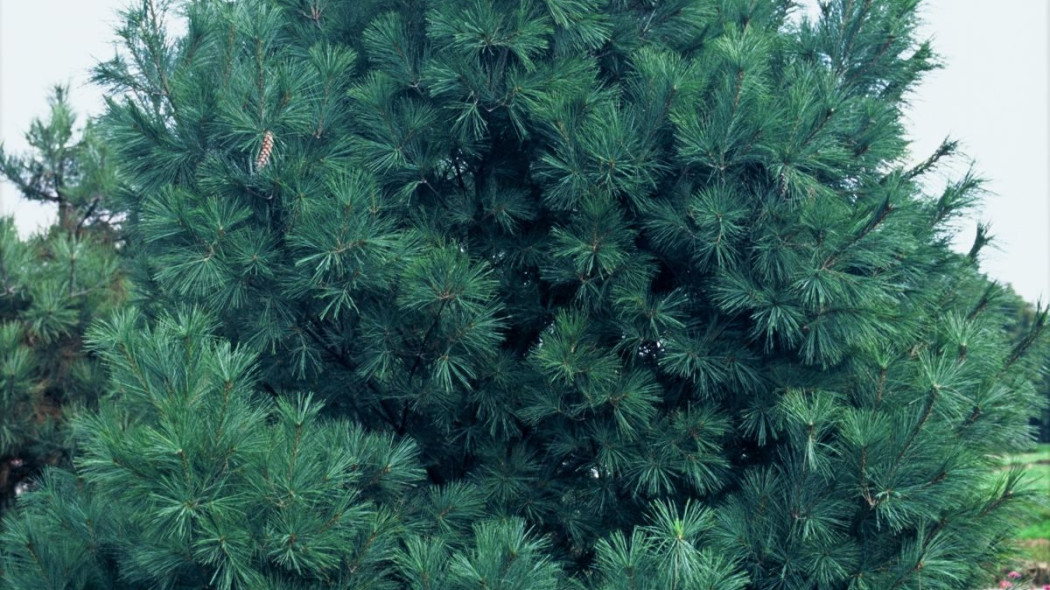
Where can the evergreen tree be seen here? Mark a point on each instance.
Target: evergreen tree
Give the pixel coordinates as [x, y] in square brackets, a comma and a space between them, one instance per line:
[1019, 318]
[66, 168]
[602, 293]
[53, 285]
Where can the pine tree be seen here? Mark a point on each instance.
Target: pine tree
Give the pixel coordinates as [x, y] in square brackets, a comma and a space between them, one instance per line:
[67, 167]
[1020, 317]
[607, 294]
[53, 285]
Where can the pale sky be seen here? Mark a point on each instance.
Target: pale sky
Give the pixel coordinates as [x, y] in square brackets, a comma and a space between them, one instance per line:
[993, 96]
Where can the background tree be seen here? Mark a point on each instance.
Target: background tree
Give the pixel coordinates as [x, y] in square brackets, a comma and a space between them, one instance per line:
[53, 285]
[652, 277]
[1020, 317]
[66, 167]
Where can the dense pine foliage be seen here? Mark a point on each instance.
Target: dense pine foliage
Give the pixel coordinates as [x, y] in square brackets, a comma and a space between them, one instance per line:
[52, 286]
[612, 294]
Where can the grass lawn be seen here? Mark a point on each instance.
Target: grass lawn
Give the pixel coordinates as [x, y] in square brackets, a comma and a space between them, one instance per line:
[1035, 536]
[1040, 455]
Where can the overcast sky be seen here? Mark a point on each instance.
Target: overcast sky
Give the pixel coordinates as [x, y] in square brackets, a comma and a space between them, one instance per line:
[992, 96]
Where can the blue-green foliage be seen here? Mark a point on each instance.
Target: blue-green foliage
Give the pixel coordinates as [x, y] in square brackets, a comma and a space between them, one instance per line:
[602, 294]
[52, 286]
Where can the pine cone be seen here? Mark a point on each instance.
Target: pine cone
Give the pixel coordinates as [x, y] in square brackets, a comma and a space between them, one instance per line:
[264, 153]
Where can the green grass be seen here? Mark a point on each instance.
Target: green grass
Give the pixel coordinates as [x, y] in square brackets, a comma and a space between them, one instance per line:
[1038, 475]
[1037, 466]
[1039, 455]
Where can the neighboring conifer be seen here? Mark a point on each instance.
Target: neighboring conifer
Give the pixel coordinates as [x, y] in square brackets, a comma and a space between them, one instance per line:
[51, 287]
[67, 168]
[646, 286]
